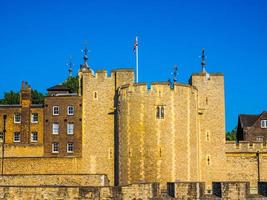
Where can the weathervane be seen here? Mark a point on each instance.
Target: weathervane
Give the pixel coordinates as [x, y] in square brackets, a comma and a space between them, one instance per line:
[70, 65]
[174, 74]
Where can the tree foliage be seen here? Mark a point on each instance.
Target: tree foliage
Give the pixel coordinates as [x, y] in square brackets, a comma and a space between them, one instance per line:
[37, 97]
[10, 97]
[231, 135]
[72, 83]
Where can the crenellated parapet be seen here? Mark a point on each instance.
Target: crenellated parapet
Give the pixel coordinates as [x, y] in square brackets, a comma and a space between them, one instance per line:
[156, 89]
[245, 147]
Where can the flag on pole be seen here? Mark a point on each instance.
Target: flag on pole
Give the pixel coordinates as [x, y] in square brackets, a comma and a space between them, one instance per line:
[135, 51]
[135, 45]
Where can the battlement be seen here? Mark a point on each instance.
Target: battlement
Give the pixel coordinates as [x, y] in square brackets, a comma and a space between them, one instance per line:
[106, 74]
[155, 88]
[245, 147]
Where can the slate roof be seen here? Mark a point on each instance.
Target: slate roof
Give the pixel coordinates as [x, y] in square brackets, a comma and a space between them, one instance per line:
[248, 120]
[58, 88]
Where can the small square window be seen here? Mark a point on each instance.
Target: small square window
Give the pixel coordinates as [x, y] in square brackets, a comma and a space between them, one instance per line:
[70, 147]
[17, 118]
[70, 110]
[34, 137]
[264, 123]
[259, 138]
[17, 137]
[55, 128]
[160, 112]
[34, 118]
[55, 147]
[55, 110]
[70, 128]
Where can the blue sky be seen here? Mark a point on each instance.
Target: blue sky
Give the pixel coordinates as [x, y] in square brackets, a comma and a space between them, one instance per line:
[37, 38]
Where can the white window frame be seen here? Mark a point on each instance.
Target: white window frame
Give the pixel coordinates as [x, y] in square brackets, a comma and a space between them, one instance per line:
[15, 119]
[264, 123]
[32, 136]
[259, 138]
[53, 147]
[32, 118]
[54, 128]
[70, 128]
[68, 110]
[54, 109]
[14, 137]
[68, 146]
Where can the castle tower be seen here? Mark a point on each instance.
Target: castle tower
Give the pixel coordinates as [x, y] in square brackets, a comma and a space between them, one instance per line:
[98, 91]
[211, 120]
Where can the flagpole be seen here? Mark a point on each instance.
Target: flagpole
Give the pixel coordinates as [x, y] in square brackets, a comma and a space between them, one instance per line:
[136, 54]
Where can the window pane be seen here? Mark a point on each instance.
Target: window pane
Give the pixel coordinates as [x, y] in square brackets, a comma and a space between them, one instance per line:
[34, 117]
[17, 118]
[70, 110]
[55, 128]
[70, 128]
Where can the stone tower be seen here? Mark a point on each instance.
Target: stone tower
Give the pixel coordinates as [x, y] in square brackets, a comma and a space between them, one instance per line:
[211, 128]
[99, 93]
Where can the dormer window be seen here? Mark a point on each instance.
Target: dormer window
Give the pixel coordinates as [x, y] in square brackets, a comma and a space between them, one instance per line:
[264, 123]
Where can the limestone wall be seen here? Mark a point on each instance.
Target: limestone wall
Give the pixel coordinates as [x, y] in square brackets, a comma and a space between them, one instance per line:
[60, 193]
[211, 119]
[54, 180]
[152, 149]
[99, 91]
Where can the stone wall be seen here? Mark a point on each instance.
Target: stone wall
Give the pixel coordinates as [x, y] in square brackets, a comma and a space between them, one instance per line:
[98, 123]
[186, 190]
[142, 191]
[152, 149]
[59, 193]
[54, 180]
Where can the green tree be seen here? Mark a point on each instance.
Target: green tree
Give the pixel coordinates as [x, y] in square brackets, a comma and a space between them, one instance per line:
[72, 83]
[231, 135]
[37, 97]
[10, 98]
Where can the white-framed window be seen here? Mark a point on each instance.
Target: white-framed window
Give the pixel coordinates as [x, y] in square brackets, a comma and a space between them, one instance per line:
[1, 136]
[259, 138]
[55, 110]
[55, 128]
[55, 147]
[70, 128]
[17, 118]
[70, 147]
[70, 110]
[34, 118]
[16, 137]
[264, 123]
[160, 112]
[34, 137]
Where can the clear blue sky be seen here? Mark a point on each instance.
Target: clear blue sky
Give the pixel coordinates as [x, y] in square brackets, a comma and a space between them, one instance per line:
[37, 37]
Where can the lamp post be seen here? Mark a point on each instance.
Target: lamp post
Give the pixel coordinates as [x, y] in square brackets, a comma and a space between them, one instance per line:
[258, 165]
[3, 145]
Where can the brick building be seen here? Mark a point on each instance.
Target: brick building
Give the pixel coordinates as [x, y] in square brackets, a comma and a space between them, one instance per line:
[252, 127]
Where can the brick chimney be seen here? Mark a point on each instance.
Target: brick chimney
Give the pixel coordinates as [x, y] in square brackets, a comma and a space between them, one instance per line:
[25, 101]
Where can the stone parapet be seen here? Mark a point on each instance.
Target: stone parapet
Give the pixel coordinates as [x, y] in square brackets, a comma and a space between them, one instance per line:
[245, 147]
[54, 180]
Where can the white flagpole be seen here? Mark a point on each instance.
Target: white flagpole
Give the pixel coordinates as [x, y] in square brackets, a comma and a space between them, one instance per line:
[136, 54]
